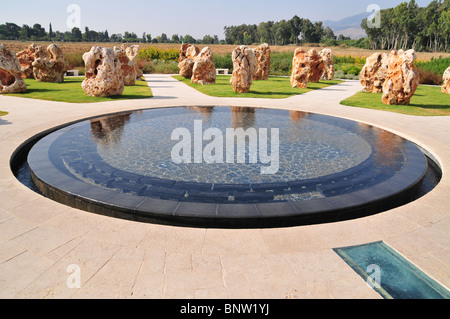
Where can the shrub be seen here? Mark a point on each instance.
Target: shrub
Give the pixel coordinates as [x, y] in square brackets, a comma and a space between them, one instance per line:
[158, 67]
[354, 70]
[75, 59]
[437, 66]
[341, 59]
[281, 63]
[339, 74]
[223, 61]
[427, 77]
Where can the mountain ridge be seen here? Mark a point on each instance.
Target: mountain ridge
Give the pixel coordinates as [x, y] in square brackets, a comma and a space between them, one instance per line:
[349, 26]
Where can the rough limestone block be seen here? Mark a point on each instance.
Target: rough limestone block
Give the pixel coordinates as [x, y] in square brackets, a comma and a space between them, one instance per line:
[306, 67]
[132, 52]
[204, 71]
[127, 66]
[374, 73]
[402, 78]
[103, 73]
[49, 65]
[244, 67]
[446, 78]
[26, 59]
[186, 63]
[327, 57]
[263, 59]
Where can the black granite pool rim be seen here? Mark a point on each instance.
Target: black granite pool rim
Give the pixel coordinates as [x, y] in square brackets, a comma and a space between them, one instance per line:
[391, 193]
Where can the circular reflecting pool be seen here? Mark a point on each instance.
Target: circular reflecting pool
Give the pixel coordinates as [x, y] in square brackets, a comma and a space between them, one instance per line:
[226, 167]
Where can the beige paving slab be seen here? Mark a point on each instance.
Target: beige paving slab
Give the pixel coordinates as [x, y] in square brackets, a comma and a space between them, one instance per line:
[39, 210]
[17, 273]
[238, 286]
[434, 265]
[254, 267]
[278, 265]
[74, 222]
[149, 281]
[114, 280]
[183, 284]
[173, 239]
[293, 239]
[60, 280]
[234, 241]
[41, 240]
[211, 293]
[118, 232]
[14, 227]
[4, 216]
[9, 250]
[281, 287]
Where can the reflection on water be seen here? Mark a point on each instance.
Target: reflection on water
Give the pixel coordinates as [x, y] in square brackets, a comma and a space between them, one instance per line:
[205, 111]
[387, 146]
[242, 117]
[296, 116]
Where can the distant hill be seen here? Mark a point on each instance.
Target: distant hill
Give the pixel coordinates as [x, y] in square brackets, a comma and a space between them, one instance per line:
[349, 27]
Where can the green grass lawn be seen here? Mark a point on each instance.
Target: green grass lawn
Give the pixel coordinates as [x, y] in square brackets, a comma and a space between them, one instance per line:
[274, 88]
[71, 91]
[427, 101]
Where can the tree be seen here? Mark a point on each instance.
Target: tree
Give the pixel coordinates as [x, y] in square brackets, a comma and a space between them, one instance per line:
[38, 32]
[188, 39]
[328, 34]
[163, 38]
[296, 28]
[76, 35]
[50, 31]
[175, 38]
[25, 32]
[265, 32]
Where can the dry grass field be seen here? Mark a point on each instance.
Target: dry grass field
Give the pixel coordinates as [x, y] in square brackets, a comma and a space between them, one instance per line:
[68, 47]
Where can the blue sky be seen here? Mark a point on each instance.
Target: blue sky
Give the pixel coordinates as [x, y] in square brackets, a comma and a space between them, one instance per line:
[194, 17]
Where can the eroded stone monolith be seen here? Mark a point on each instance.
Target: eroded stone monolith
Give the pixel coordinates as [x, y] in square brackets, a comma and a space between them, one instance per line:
[446, 78]
[402, 78]
[374, 73]
[132, 51]
[26, 59]
[306, 67]
[49, 64]
[263, 59]
[327, 57]
[103, 73]
[244, 67]
[11, 80]
[204, 70]
[127, 66]
[186, 63]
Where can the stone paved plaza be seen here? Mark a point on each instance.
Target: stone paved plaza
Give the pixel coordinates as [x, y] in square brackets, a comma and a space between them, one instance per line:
[40, 239]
